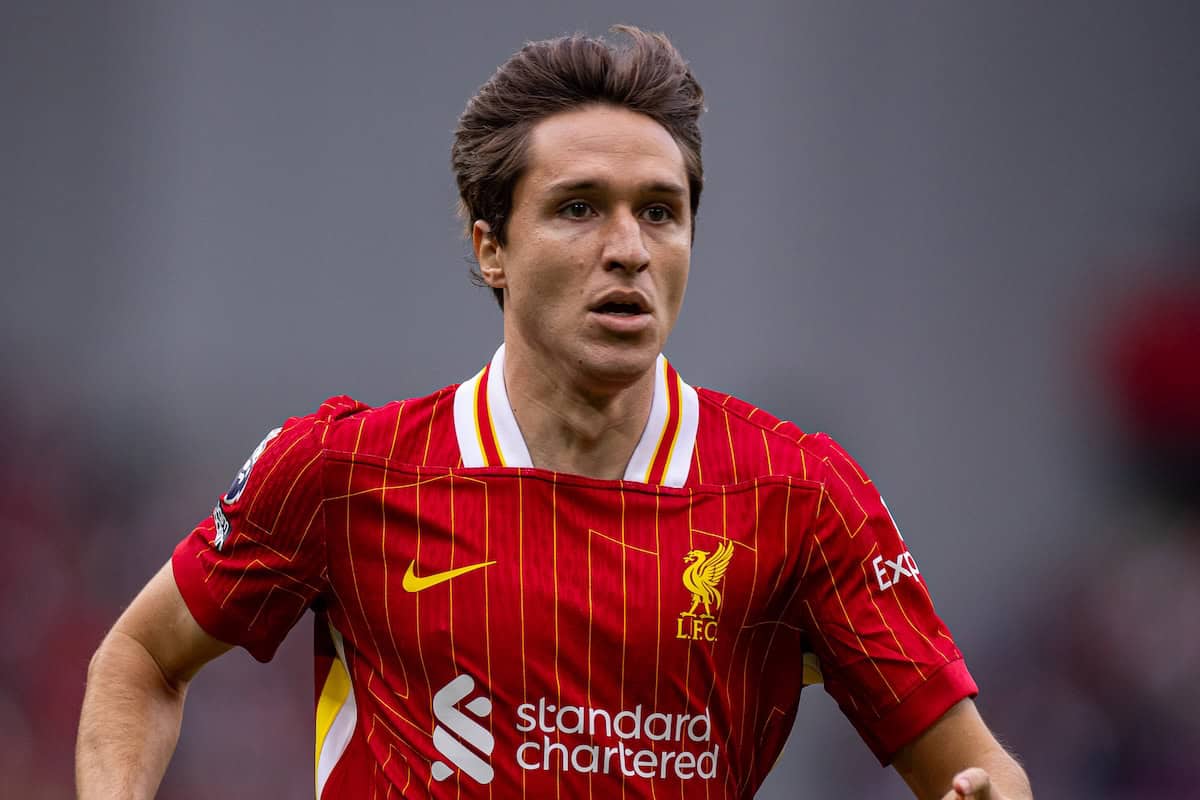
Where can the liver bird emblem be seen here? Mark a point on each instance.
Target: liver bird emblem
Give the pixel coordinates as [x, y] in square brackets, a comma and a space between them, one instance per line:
[703, 575]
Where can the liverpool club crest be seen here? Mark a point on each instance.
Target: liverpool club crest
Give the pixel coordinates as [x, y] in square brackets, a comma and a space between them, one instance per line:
[702, 578]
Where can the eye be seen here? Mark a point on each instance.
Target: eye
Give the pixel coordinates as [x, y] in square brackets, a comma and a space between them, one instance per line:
[657, 214]
[576, 209]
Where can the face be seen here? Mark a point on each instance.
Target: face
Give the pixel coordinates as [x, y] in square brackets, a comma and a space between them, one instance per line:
[597, 246]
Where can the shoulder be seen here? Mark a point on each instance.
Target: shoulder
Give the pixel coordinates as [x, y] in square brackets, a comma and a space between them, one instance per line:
[412, 429]
[738, 441]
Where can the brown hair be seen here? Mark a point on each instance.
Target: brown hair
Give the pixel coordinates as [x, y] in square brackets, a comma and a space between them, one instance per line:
[543, 78]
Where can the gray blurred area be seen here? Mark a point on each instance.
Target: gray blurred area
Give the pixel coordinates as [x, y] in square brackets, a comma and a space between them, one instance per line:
[918, 217]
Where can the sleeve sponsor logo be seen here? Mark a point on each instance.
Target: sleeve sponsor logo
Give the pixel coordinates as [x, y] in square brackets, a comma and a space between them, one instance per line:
[239, 481]
[221, 527]
[889, 572]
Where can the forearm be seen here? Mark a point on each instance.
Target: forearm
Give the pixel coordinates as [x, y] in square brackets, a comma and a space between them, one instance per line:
[129, 724]
[958, 757]
[1008, 779]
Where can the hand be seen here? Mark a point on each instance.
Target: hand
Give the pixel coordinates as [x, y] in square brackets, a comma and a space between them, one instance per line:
[972, 784]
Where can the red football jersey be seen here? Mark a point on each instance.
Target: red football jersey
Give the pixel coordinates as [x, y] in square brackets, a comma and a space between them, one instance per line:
[488, 629]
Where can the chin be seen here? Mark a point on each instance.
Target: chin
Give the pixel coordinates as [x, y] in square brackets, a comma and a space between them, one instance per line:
[622, 364]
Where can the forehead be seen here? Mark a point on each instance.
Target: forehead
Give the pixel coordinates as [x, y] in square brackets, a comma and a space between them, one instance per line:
[604, 143]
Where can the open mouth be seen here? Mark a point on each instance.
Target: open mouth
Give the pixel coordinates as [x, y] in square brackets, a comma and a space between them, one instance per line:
[620, 309]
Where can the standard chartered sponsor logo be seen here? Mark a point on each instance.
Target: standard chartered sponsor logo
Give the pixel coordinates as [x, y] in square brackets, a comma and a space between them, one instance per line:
[629, 755]
[452, 723]
[633, 742]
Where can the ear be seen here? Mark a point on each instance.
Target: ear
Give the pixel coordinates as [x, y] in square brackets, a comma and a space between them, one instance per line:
[488, 254]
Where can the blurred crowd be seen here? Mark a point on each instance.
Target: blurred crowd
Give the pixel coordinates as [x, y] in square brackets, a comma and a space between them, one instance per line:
[64, 527]
[1100, 692]
[90, 507]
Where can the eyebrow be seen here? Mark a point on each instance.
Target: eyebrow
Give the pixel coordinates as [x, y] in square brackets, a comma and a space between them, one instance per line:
[587, 184]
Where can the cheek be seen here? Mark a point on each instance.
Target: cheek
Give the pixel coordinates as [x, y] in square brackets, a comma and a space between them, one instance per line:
[676, 276]
[545, 274]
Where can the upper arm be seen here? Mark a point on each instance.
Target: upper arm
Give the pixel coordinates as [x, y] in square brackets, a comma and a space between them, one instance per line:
[886, 656]
[250, 570]
[158, 619]
[958, 740]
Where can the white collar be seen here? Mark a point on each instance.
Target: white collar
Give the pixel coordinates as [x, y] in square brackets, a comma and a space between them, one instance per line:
[488, 435]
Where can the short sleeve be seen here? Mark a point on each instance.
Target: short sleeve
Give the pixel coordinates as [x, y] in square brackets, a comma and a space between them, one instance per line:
[885, 656]
[251, 568]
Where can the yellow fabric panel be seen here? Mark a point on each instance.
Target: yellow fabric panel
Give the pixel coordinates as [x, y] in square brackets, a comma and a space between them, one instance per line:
[333, 697]
[812, 670]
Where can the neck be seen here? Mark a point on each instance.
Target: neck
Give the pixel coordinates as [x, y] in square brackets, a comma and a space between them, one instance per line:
[570, 427]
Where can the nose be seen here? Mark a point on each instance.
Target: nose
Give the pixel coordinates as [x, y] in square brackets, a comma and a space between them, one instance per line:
[625, 247]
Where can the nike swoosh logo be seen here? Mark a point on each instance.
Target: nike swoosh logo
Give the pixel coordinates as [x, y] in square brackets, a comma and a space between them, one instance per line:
[416, 583]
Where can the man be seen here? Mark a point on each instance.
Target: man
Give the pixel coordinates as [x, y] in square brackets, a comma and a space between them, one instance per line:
[572, 574]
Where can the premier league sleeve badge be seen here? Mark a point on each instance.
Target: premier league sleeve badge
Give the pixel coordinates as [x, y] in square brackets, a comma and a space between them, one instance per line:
[239, 482]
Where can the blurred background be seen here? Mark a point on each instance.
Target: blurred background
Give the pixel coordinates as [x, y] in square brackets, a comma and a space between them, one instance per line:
[962, 237]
